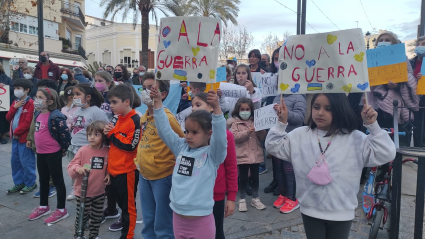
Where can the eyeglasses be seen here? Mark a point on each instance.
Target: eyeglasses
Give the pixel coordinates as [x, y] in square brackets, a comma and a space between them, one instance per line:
[142, 70]
[22, 62]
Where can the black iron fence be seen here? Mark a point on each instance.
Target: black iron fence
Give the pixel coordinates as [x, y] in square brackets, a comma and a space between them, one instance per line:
[74, 10]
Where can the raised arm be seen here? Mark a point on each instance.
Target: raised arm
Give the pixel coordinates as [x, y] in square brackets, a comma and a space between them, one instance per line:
[218, 143]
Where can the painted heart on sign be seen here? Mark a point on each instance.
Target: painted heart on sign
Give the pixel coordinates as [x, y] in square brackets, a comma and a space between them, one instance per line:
[283, 87]
[363, 87]
[310, 63]
[296, 88]
[167, 44]
[347, 88]
[195, 50]
[359, 57]
[331, 39]
[212, 73]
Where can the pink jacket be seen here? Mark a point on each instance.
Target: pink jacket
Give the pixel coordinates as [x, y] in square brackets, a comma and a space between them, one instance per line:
[98, 160]
[248, 145]
[405, 94]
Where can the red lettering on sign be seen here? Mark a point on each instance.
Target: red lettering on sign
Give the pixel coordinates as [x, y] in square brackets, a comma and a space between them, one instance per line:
[298, 76]
[352, 70]
[311, 79]
[330, 72]
[340, 71]
[178, 62]
[302, 48]
[350, 46]
[318, 76]
[320, 53]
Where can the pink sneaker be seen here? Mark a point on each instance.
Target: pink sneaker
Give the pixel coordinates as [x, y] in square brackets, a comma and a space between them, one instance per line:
[38, 212]
[56, 216]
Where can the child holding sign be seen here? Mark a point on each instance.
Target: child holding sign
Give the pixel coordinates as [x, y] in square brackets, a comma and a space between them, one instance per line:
[93, 158]
[249, 152]
[198, 156]
[328, 175]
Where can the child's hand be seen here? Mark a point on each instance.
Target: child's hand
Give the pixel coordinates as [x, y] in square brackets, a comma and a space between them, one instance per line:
[19, 104]
[108, 128]
[82, 170]
[29, 144]
[156, 97]
[107, 179]
[219, 93]
[282, 111]
[212, 100]
[184, 97]
[229, 208]
[252, 129]
[249, 87]
[369, 115]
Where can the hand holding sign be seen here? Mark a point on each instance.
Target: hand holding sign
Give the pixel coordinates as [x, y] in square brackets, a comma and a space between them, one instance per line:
[369, 115]
[282, 112]
[265, 117]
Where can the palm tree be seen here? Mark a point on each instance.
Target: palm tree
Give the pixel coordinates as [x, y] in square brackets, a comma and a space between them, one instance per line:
[226, 10]
[143, 7]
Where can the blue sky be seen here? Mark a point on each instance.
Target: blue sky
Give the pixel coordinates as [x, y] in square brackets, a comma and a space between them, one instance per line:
[264, 16]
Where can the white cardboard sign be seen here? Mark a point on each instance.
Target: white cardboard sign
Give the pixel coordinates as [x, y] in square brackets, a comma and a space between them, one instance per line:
[333, 62]
[181, 117]
[188, 49]
[232, 90]
[267, 83]
[4, 98]
[265, 117]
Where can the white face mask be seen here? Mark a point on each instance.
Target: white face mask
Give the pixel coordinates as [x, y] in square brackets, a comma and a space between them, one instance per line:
[146, 98]
[245, 115]
[27, 76]
[77, 102]
[19, 93]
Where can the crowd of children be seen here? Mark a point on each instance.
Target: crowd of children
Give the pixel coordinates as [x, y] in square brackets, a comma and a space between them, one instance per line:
[188, 181]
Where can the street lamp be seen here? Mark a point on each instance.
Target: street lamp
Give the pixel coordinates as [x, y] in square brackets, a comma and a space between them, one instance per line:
[368, 37]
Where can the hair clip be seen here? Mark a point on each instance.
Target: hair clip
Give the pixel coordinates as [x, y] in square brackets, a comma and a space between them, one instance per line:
[69, 92]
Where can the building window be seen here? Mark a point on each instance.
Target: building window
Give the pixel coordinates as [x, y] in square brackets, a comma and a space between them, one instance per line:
[106, 57]
[14, 26]
[29, 25]
[33, 30]
[23, 28]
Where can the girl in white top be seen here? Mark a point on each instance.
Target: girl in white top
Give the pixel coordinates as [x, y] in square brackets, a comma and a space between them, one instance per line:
[328, 197]
[242, 77]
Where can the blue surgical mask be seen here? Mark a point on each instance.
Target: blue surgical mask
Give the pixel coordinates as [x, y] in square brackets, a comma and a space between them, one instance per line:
[245, 115]
[384, 43]
[64, 77]
[420, 51]
[190, 93]
[141, 73]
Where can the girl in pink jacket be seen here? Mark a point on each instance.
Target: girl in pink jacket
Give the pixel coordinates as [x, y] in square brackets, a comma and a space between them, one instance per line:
[249, 152]
[93, 158]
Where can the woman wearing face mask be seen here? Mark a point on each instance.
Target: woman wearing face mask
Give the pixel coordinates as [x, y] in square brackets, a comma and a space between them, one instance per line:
[121, 75]
[416, 63]
[381, 97]
[66, 80]
[29, 75]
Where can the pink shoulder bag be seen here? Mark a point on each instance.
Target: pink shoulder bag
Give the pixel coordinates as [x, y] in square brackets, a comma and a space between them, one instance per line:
[319, 174]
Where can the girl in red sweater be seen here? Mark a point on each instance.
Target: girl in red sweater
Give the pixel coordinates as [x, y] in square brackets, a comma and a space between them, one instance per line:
[227, 174]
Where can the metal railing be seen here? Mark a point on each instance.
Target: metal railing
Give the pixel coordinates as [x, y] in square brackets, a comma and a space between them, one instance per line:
[74, 10]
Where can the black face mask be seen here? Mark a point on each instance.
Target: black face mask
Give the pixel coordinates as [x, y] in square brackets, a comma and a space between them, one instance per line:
[263, 63]
[43, 59]
[135, 75]
[110, 72]
[117, 75]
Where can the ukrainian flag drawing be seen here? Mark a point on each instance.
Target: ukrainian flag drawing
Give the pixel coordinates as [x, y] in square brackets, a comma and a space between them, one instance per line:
[314, 86]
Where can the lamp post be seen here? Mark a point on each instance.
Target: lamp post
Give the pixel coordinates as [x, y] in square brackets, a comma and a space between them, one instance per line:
[367, 37]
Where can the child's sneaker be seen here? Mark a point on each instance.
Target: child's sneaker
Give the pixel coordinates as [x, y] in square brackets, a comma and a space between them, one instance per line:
[15, 188]
[255, 202]
[71, 196]
[28, 189]
[242, 205]
[39, 212]
[117, 226]
[52, 192]
[37, 194]
[289, 206]
[113, 214]
[279, 201]
[56, 216]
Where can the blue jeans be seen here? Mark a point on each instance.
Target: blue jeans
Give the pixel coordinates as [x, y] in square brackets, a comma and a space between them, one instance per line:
[23, 164]
[156, 211]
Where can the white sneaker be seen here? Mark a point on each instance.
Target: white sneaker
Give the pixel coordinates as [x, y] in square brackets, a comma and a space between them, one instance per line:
[257, 204]
[242, 205]
[71, 196]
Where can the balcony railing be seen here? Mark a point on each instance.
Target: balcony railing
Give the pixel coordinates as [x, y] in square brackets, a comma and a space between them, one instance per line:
[68, 47]
[74, 10]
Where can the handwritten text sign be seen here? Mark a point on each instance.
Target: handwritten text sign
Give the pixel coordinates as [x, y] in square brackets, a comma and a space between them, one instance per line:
[233, 90]
[4, 98]
[181, 117]
[221, 74]
[387, 64]
[188, 49]
[265, 118]
[267, 83]
[420, 90]
[333, 62]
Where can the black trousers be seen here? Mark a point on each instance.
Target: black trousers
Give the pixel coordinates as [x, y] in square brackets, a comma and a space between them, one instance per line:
[112, 201]
[218, 211]
[124, 186]
[50, 165]
[323, 229]
[243, 179]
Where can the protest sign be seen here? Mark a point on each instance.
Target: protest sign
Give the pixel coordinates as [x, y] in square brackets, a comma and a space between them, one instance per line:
[387, 64]
[233, 90]
[267, 83]
[420, 90]
[221, 74]
[265, 117]
[181, 117]
[171, 102]
[188, 49]
[4, 98]
[333, 62]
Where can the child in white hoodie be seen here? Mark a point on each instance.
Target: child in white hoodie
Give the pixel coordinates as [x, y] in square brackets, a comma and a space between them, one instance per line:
[328, 175]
